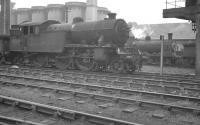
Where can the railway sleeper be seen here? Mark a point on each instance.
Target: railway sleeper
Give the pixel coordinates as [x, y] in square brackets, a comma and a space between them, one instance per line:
[93, 88]
[89, 80]
[120, 84]
[105, 82]
[7, 101]
[100, 121]
[8, 121]
[130, 102]
[82, 95]
[103, 98]
[25, 106]
[55, 111]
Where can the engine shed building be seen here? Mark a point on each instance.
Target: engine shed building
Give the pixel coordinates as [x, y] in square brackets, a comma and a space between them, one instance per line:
[65, 13]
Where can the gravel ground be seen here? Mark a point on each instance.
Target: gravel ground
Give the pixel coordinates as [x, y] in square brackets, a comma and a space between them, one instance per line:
[168, 70]
[26, 115]
[144, 115]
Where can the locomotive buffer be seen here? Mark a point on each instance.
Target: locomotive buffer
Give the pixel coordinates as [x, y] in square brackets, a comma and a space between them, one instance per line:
[191, 12]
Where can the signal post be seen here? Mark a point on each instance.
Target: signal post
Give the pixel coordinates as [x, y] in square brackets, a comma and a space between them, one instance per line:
[198, 45]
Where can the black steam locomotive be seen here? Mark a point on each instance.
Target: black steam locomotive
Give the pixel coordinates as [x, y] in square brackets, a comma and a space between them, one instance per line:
[88, 46]
[177, 52]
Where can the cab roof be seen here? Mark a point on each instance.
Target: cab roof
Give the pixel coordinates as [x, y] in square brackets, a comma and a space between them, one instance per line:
[42, 25]
[29, 23]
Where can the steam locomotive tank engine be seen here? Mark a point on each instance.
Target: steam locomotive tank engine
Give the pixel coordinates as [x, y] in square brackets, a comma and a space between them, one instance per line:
[83, 45]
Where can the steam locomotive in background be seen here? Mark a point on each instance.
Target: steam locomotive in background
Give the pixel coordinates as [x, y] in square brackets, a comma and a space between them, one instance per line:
[177, 52]
[88, 46]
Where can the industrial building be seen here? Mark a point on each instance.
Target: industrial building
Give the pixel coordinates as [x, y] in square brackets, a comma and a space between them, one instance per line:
[88, 11]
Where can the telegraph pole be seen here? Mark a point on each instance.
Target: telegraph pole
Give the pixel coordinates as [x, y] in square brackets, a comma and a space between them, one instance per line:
[161, 54]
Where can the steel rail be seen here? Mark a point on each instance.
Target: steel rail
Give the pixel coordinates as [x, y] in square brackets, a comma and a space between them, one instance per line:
[180, 81]
[114, 98]
[162, 86]
[98, 87]
[178, 77]
[62, 112]
[11, 120]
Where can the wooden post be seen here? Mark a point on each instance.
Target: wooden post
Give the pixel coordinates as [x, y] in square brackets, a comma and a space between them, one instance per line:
[198, 45]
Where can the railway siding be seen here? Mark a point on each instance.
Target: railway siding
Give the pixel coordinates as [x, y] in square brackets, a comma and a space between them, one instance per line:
[127, 100]
[10, 120]
[68, 89]
[61, 112]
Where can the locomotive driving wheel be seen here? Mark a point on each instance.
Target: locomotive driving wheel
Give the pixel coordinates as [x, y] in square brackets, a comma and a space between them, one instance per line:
[85, 61]
[117, 66]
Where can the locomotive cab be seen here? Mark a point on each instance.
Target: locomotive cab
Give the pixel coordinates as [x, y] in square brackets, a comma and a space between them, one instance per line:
[32, 37]
[22, 34]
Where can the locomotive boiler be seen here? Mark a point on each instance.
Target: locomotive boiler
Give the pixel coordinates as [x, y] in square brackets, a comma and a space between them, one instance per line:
[87, 46]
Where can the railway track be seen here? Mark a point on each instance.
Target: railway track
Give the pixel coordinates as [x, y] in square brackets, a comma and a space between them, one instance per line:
[70, 117]
[111, 95]
[112, 89]
[146, 75]
[30, 81]
[163, 86]
[137, 76]
[14, 121]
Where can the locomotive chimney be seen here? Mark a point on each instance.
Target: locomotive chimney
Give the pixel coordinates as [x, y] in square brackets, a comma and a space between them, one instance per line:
[112, 16]
[170, 35]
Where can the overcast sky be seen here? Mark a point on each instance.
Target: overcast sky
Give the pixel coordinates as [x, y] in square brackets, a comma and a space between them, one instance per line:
[140, 11]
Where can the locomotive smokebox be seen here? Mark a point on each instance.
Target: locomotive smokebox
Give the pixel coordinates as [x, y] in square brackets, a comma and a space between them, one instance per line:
[112, 16]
